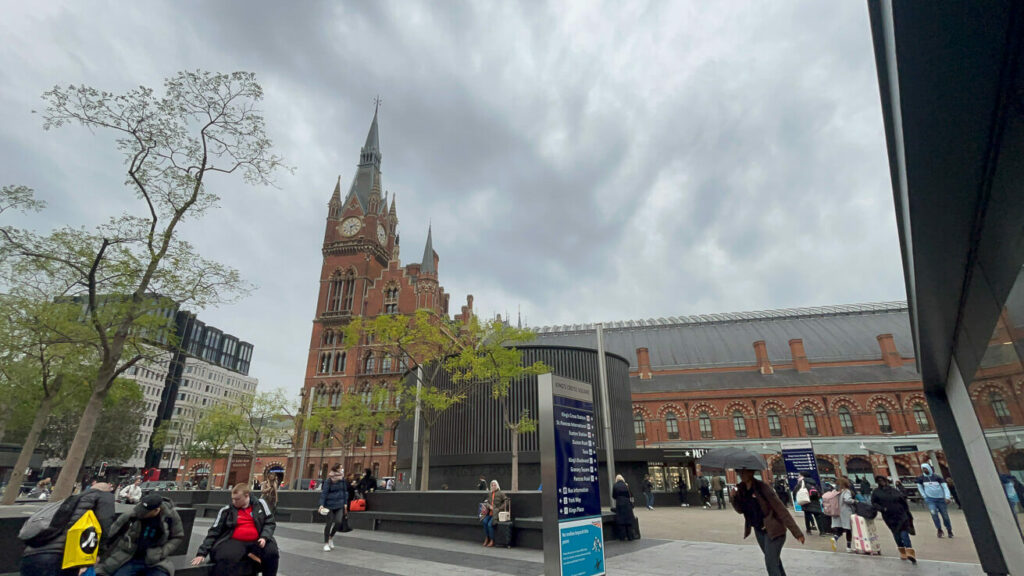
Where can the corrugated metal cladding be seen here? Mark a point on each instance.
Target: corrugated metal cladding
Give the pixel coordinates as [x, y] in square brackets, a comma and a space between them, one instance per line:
[476, 425]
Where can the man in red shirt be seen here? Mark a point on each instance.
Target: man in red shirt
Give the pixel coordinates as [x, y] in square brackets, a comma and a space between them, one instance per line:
[242, 532]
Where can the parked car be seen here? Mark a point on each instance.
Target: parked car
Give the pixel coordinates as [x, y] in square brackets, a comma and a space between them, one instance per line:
[158, 486]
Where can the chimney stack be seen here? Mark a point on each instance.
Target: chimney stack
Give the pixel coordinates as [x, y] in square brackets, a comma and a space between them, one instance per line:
[796, 348]
[763, 364]
[890, 355]
[643, 359]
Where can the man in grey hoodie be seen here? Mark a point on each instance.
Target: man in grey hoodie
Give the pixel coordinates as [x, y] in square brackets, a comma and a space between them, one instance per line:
[936, 494]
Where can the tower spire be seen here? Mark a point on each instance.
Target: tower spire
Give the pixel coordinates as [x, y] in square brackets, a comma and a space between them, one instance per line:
[427, 266]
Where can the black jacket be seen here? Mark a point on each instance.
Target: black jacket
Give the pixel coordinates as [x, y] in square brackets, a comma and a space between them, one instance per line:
[102, 505]
[227, 520]
[893, 506]
[334, 495]
[623, 504]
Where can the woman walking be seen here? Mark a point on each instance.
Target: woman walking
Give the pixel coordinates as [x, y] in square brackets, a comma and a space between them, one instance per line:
[764, 513]
[333, 504]
[896, 514]
[624, 517]
[846, 503]
[496, 501]
[269, 492]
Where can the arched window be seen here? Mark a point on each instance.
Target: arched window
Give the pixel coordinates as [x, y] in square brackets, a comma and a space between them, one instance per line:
[385, 363]
[369, 364]
[739, 424]
[999, 408]
[394, 434]
[774, 423]
[367, 394]
[639, 426]
[882, 415]
[704, 423]
[672, 425]
[348, 292]
[391, 300]
[378, 437]
[846, 420]
[339, 362]
[921, 417]
[325, 363]
[810, 422]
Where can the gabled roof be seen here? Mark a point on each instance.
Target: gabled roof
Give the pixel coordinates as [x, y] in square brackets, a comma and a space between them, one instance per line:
[833, 333]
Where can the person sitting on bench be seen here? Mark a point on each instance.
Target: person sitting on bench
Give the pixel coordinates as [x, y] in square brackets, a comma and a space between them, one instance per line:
[243, 531]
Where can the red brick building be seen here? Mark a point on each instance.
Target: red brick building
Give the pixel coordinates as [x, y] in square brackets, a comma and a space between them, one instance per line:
[843, 377]
[361, 276]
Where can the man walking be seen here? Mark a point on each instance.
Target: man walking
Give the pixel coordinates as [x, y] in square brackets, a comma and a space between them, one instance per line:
[936, 494]
[718, 485]
[764, 514]
[243, 531]
[649, 491]
[141, 542]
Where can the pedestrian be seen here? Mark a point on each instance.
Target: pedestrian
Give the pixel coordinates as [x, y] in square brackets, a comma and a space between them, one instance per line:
[496, 501]
[718, 485]
[936, 494]
[256, 486]
[389, 485]
[683, 489]
[367, 483]
[813, 514]
[846, 504]
[864, 489]
[649, 491]
[269, 492]
[312, 483]
[896, 514]
[141, 541]
[782, 491]
[764, 513]
[705, 491]
[351, 484]
[482, 483]
[334, 504]
[242, 532]
[132, 493]
[624, 517]
[46, 559]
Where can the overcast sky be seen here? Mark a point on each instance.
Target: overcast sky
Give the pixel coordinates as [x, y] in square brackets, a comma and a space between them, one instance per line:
[582, 162]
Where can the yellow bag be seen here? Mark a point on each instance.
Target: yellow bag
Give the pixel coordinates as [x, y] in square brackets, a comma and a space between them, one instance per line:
[83, 543]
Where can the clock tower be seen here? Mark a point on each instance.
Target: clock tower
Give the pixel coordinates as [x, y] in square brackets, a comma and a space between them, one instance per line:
[361, 276]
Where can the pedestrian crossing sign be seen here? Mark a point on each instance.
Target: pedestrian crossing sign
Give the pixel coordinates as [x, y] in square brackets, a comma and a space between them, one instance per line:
[83, 542]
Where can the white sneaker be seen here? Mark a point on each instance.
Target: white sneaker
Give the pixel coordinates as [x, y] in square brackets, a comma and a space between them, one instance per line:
[327, 547]
[331, 544]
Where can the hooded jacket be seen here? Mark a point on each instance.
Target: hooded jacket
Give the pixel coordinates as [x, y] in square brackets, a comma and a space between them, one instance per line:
[124, 539]
[334, 492]
[227, 520]
[932, 486]
[102, 505]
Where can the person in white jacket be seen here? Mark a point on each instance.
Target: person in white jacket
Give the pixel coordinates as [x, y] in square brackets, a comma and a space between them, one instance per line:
[132, 493]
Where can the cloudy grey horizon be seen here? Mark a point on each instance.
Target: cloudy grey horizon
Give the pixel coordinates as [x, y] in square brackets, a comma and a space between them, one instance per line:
[579, 161]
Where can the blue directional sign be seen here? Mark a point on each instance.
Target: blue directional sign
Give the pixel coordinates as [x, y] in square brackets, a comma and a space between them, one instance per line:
[799, 459]
[576, 459]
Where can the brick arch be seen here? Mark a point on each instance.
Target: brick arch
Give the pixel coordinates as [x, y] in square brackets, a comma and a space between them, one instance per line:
[778, 406]
[680, 413]
[982, 389]
[642, 410]
[911, 399]
[699, 407]
[884, 399]
[831, 459]
[813, 403]
[844, 400]
[744, 409]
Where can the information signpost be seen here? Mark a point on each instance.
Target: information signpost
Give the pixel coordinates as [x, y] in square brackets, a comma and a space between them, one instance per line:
[799, 459]
[571, 498]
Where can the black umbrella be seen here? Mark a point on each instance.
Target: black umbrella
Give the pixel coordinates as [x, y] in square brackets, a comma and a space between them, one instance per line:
[734, 458]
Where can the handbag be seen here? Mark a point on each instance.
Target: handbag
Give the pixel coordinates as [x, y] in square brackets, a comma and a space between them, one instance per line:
[803, 497]
[505, 514]
[483, 510]
[344, 524]
[323, 511]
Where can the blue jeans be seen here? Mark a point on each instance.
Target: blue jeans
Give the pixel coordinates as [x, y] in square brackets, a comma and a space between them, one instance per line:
[772, 549]
[902, 539]
[488, 523]
[937, 506]
[139, 568]
[650, 499]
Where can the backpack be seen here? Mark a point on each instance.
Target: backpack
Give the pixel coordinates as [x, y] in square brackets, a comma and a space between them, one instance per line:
[830, 503]
[48, 522]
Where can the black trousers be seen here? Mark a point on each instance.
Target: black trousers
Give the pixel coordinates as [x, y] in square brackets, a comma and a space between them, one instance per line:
[45, 565]
[333, 523]
[231, 557]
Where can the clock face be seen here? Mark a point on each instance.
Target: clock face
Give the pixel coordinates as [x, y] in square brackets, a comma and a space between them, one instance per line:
[382, 235]
[350, 226]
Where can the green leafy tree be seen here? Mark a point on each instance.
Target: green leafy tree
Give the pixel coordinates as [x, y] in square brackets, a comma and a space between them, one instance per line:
[492, 359]
[215, 435]
[173, 144]
[422, 341]
[355, 416]
[256, 416]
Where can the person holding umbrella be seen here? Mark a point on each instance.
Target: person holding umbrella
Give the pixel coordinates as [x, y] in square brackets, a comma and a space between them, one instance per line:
[763, 512]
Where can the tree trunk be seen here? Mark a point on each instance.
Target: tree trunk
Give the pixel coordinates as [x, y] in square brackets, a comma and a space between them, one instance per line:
[18, 474]
[515, 460]
[76, 453]
[252, 460]
[425, 471]
[227, 470]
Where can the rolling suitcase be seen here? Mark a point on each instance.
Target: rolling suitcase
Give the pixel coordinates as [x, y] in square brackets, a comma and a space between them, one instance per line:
[504, 534]
[865, 536]
[634, 530]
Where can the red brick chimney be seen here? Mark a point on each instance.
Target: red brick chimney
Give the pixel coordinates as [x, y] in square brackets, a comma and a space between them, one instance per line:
[796, 348]
[763, 364]
[643, 358]
[890, 355]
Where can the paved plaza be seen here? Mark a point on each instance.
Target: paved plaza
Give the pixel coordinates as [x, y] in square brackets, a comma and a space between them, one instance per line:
[385, 553]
